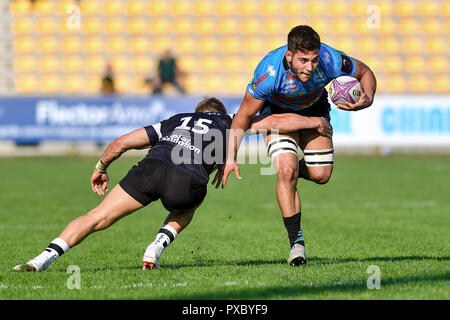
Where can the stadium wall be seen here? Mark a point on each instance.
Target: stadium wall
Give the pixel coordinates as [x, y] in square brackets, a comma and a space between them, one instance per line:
[394, 121]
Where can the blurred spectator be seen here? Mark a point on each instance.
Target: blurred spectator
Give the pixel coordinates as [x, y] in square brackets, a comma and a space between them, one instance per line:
[167, 72]
[108, 86]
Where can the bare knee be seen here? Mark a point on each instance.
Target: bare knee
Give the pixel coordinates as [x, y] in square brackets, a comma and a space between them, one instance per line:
[320, 175]
[287, 175]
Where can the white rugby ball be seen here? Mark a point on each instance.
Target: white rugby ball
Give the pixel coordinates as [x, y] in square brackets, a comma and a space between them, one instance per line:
[344, 89]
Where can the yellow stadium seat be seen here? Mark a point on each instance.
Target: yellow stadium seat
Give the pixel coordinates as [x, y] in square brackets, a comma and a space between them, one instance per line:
[368, 45]
[387, 8]
[158, 8]
[204, 7]
[428, 8]
[94, 44]
[248, 8]
[194, 84]
[48, 25]
[412, 45]
[231, 45]
[49, 64]
[346, 44]
[436, 45]
[447, 27]
[390, 26]
[275, 42]
[73, 84]
[25, 64]
[251, 26]
[93, 26]
[339, 8]
[48, 45]
[137, 7]
[26, 83]
[181, 8]
[228, 26]
[189, 64]
[226, 7]
[161, 44]
[91, 7]
[24, 44]
[204, 26]
[114, 7]
[124, 83]
[138, 26]
[44, 7]
[393, 64]
[389, 45]
[342, 26]
[140, 44]
[159, 26]
[254, 45]
[120, 64]
[210, 64]
[439, 65]
[72, 63]
[71, 44]
[415, 64]
[64, 7]
[20, 7]
[92, 84]
[117, 44]
[209, 45]
[143, 65]
[115, 25]
[22, 25]
[232, 64]
[235, 85]
[409, 27]
[441, 84]
[419, 84]
[293, 8]
[186, 45]
[364, 27]
[95, 64]
[182, 26]
[405, 8]
[251, 62]
[213, 84]
[273, 26]
[444, 8]
[394, 84]
[270, 8]
[50, 84]
[321, 26]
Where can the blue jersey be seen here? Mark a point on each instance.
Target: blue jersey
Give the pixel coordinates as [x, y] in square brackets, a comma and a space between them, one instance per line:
[275, 82]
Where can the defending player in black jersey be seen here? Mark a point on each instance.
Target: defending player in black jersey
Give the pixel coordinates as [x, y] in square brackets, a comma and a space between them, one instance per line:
[184, 150]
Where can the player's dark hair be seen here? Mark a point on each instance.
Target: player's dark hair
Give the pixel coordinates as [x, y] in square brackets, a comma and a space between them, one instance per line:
[303, 38]
[210, 104]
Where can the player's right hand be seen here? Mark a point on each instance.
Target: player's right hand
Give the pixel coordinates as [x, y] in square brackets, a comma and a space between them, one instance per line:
[325, 129]
[99, 182]
[230, 166]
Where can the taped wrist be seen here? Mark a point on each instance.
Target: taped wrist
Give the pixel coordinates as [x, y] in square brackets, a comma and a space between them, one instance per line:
[101, 166]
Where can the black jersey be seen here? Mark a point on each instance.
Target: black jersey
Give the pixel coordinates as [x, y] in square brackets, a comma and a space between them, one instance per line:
[193, 142]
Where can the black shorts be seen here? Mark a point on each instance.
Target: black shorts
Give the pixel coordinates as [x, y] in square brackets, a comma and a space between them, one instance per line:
[153, 179]
[320, 108]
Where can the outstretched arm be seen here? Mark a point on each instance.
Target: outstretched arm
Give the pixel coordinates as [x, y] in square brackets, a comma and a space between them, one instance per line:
[290, 122]
[137, 139]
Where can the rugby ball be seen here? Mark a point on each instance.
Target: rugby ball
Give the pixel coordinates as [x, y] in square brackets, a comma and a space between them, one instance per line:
[344, 89]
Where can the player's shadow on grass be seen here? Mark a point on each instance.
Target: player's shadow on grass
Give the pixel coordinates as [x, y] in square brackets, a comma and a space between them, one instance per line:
[305, 291]
[323, 261]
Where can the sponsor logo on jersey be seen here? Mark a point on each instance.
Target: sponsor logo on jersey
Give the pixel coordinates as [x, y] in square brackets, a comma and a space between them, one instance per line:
[260, 80]
[346, 64]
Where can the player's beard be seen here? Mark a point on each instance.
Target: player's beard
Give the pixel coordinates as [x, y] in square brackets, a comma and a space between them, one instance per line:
[297, 73]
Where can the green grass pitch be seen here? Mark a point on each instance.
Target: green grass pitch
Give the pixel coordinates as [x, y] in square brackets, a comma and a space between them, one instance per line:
[390, 213]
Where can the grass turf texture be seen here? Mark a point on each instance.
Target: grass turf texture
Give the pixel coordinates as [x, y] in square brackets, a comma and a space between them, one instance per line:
[390, 212]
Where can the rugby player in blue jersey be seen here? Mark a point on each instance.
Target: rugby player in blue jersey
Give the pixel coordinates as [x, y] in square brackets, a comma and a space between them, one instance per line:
[292, 78]
[184, 150]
